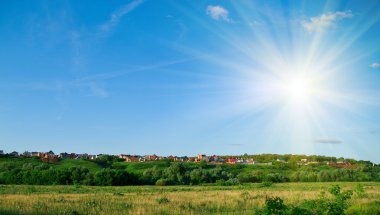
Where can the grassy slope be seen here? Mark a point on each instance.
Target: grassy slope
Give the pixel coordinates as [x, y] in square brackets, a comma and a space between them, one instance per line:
[20, 162]
[70, 163]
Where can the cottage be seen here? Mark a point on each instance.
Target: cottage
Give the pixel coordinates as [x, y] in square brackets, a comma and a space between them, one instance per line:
[64, 155]
[36, 154]
[341, 164]
[151, 157]
[173, 158]
[92, 157]
[231, 160]
[201, 157]
[49, 158]
[132, 158]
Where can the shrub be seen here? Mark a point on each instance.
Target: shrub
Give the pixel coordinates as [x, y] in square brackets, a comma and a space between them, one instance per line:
[360, 192]
[164, 182]
[266, 184]
[232, 181]
[274, 205]
[162, 200]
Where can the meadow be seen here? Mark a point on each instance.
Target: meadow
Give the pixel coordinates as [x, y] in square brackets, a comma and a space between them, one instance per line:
[249, 198]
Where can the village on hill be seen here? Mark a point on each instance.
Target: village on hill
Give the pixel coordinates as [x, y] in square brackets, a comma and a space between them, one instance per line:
[51, 157]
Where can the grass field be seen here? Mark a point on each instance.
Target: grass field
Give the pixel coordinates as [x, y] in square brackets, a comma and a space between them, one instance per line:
[25, 199]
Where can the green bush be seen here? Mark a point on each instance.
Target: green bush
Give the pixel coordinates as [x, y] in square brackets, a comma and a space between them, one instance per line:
[164, 182]
[162, 200]
[274, 205]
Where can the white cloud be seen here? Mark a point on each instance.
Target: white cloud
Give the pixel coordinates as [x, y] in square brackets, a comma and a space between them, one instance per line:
[328, 141]
[375, 65]
[218, 13]
[118, 14]
[324, 21]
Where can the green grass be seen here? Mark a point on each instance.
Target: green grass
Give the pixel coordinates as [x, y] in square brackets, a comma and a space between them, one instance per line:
[24, 199]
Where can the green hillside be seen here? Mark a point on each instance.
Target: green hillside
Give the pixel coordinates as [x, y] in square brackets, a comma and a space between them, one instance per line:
[111, 170]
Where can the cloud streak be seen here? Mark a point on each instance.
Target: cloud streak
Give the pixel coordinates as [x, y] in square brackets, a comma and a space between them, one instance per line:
[324, 21]
[375, 65]
[218, 13]
[118, 14]
[328, 141]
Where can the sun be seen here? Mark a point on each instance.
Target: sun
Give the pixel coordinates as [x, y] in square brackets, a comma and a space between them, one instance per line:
[298, 89]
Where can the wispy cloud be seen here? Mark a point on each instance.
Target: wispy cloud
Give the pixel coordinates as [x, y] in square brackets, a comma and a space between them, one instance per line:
[375, 65]
[328, 141]
[237, 144]
[218, 13]
[324, 21]
[119, 13]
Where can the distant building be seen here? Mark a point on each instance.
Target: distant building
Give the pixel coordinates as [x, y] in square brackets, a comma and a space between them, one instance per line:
[133, 158]
[92, 157]
[36, 154]
[231, 160]
[341, 164]
[49, 158]
[151, 157]
[200, 157]
[27, 154]
[14, 153]
[64, 155]
[1, 152]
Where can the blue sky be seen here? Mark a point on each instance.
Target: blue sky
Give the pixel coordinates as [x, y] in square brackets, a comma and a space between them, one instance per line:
[188, 77]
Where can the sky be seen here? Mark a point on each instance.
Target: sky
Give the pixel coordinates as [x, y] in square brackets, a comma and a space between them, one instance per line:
[189, 77]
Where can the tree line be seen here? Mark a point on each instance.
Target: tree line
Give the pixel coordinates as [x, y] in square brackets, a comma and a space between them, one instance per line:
[176, 173]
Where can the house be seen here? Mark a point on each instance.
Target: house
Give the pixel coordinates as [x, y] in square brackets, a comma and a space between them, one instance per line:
[341, 164]
[151, 157]
[49, 158]
[201, 157]
[73, 155]
[240, 161]
[132, 158]
[14, 153]
[191, 159]
[173, 158]
[1, 152]
[36, 154]
[92, 157]
[231, 160]
[82, 156]
[215, 159]
[182, 159]
[123, 156]
[250, 161]
[281, 160]
[64, 155]
[26, 154]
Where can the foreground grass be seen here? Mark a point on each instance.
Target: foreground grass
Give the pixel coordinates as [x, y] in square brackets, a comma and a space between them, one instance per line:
[23, 199]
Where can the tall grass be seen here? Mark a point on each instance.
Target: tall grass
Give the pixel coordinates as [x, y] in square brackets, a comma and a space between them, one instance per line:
[21, 199]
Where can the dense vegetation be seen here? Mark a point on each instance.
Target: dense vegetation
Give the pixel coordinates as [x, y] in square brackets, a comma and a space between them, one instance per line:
[110, 170]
